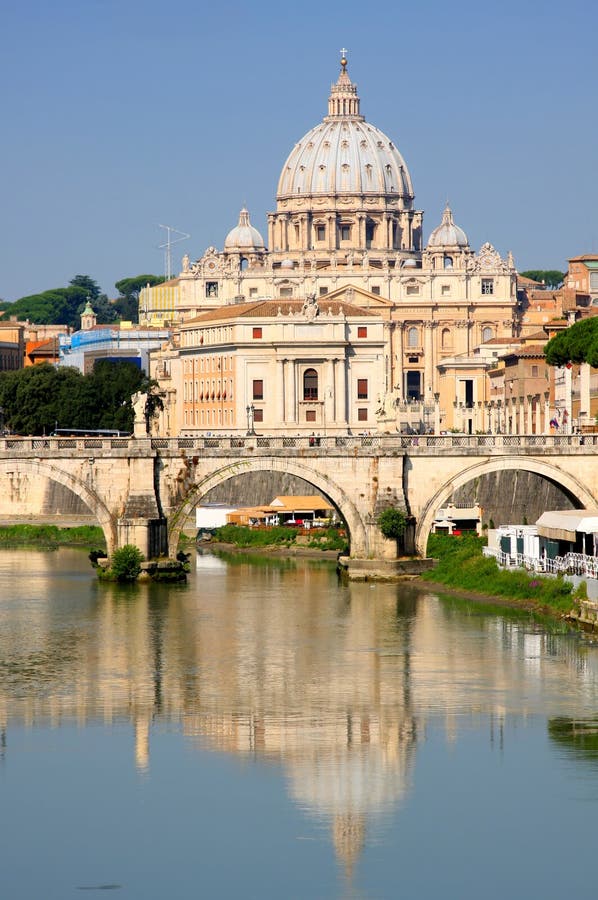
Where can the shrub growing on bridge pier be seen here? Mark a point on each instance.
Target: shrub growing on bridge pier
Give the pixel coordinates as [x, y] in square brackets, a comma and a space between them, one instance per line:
[125, 564]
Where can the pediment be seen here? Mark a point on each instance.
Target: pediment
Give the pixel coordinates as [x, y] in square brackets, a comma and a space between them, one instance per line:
[357, 296]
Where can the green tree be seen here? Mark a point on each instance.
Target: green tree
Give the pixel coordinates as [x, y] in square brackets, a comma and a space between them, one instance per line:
[577, 344]
[129, 289]
[552, 278]
[392, 523]
[87, 283]
[38, 398]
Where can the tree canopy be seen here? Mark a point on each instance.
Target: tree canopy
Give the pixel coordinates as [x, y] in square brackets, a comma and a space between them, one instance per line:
[39, 398]
[577, 344]
[64, 305]
[552, 278]
[129, 290]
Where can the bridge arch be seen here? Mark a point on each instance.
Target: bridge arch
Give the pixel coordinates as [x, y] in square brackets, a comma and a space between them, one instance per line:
[35, 467]
[356, 527]
[564, 480]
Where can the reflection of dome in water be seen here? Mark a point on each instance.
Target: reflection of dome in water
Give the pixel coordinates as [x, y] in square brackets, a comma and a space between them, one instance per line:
[348, 833]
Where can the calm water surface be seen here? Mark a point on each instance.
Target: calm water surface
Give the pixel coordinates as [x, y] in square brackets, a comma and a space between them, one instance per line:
[266, 732]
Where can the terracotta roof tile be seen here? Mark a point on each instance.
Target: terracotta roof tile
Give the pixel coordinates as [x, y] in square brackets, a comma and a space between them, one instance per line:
[271, 309]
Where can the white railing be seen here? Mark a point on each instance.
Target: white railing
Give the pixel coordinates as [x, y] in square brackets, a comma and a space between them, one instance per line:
[570, 564]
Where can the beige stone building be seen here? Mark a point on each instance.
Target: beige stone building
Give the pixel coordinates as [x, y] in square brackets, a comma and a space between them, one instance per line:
[346, 249]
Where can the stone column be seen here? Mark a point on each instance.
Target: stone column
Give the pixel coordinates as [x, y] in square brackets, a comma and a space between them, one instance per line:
[281, 387]
[537, 422]
[328, 392]
[342, 415]
[437, 413]
[399, 375]
[568, 401]
[428, 387]
[290, 392]
[584, 394]
[529, 414]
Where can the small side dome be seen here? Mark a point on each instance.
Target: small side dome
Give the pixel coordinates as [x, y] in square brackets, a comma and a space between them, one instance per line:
[244, 236]
[447, 234]
[287, 264]
[410, 264]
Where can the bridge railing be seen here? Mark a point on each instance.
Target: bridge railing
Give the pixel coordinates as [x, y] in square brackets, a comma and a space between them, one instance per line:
[413, 443]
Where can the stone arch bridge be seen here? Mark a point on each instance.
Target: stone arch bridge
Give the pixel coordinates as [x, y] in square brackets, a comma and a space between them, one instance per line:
[142, 490]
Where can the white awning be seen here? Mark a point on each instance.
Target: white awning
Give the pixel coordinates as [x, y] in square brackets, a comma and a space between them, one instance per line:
[564, 523]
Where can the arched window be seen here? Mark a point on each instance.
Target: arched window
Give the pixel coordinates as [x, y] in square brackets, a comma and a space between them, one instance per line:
[448, 262]
[310, 384]
[487, 333]
[413, 337]
[445, 338]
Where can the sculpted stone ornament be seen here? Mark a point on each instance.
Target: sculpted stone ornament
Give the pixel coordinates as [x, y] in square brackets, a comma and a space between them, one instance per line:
[310, 307]
[139, 402]
[186, 262]
[488, 260]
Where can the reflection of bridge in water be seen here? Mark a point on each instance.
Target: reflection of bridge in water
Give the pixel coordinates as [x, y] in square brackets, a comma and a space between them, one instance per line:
[142, 490]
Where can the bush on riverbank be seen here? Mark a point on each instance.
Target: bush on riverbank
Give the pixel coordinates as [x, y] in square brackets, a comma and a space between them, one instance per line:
[329, 539]
[52, 535]
[242, 536]
[462, 565]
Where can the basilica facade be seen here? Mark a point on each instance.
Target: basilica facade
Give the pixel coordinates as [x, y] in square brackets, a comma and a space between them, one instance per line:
[360, 319]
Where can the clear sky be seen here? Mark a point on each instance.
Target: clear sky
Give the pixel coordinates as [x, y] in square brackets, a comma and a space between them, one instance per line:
[121, 115]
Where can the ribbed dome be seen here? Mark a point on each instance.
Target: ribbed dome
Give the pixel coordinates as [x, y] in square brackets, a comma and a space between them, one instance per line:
[447, 234]
[244, 236]
[345, 154]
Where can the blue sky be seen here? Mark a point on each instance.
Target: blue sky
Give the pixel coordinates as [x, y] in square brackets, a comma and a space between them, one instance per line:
[120, 115]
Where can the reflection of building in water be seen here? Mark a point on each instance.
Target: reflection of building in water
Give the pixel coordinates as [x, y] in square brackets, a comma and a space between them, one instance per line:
[335, 682]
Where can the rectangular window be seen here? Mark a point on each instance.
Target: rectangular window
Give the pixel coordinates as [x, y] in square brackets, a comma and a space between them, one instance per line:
[487, 286]
[286, 292]
[376, 290]
[253, 292]
[258, 415]
[323, 290]
[362, 415]
[534, 371]
[445, 289]
[320, 232]
[362, 388]
[258, 389]
[211, 288]
[413, 289]
[362, 331]
[310, 415]
[257, 333]
[345, 232]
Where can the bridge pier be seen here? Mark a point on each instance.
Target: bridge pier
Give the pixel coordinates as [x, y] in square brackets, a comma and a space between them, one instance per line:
[150, 536]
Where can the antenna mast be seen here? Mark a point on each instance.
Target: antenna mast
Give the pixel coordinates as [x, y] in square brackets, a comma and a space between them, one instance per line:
[167, 247]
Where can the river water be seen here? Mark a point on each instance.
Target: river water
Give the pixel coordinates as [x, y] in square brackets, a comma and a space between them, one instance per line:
[268, 732]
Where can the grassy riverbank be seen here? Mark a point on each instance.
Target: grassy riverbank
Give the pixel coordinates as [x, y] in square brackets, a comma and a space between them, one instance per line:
[318, 539]
[462, 566]
[51, 536]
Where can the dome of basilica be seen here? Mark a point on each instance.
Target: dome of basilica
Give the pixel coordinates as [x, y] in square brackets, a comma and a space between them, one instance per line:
[447, 234]
[244, 236]
[345, 154]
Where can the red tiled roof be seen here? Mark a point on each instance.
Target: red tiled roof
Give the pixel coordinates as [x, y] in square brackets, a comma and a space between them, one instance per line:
[271, 309]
